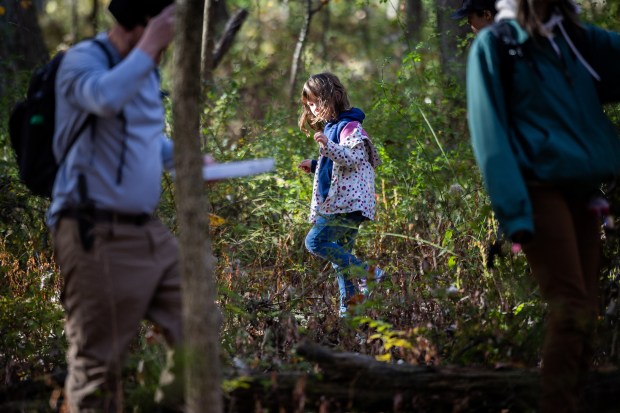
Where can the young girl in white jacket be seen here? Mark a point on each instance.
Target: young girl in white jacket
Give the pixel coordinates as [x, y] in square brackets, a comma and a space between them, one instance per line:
[344, 179]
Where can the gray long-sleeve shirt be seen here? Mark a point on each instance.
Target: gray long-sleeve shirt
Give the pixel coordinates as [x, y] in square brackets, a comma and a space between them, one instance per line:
[129, 113]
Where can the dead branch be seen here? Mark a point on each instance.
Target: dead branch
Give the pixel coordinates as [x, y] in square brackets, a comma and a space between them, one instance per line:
[349, 381]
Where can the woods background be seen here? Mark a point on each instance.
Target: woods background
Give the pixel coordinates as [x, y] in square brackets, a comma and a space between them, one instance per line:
[402, 62]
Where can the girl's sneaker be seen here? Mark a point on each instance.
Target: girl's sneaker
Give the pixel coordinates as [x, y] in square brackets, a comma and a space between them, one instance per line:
[363, 286]
[379, 274]
[376, 275]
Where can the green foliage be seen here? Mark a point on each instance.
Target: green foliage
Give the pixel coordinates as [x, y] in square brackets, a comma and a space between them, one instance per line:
[431, 234]
[147, 358]
[31, 337]
[441, 302]
[410, 346]
[31, 334]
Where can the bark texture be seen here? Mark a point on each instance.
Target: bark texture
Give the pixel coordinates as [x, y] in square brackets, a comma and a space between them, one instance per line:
[201, 315]
[352, 382]
[22, 47]
[451, 34]
[215, 14]
[309, 12]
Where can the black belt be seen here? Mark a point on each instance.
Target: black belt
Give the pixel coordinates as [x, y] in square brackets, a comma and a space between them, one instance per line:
[105, 216]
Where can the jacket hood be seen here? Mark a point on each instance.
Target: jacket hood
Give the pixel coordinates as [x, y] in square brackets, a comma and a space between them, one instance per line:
[353, 114]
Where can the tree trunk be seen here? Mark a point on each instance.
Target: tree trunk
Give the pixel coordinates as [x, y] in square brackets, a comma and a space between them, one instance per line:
[233, 25]
[211, 54]
[354, 382]
[93, 17]
[450, 31]
[414, 19]
[208, 35]
[201, 316]
[75, 21]
[299, 47]
[22, 47]
[325, 27]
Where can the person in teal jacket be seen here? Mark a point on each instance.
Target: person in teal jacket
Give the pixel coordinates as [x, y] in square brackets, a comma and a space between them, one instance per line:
[544, 147]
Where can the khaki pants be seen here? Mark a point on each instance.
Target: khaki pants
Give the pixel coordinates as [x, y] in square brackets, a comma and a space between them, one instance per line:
[564, 256]
[131, 273]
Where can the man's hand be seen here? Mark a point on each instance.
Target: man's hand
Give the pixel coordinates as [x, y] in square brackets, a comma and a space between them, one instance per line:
[158, 33]
[306, 166]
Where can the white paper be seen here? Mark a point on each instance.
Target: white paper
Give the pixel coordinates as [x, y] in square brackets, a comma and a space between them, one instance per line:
[236, 169]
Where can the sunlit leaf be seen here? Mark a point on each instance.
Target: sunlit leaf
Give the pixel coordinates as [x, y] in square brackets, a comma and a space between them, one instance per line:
[216, 220]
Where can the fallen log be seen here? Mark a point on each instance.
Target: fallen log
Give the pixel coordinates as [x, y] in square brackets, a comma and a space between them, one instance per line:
[353, 382]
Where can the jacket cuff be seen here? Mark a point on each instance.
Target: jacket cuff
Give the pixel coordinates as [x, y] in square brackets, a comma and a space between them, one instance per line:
[313, 165]
[524, 225]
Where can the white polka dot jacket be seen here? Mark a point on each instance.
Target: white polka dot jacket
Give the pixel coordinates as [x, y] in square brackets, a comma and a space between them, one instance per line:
[352, 185]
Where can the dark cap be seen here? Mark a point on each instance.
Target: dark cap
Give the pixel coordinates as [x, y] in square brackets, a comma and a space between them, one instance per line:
[470, 6]
[132, 13]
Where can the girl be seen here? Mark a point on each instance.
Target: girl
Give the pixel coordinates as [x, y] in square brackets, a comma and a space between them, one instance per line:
[344, 182]
[544, 146]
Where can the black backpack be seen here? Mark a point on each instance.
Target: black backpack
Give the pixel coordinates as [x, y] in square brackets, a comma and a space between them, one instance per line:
[31, 128]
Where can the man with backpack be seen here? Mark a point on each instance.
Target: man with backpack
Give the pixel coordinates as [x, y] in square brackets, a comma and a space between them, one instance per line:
[119, 262]
[479, 13]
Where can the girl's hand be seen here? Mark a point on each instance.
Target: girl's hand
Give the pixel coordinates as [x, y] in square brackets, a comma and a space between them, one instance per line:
[321, 139]
[207, 159]
[306, 165]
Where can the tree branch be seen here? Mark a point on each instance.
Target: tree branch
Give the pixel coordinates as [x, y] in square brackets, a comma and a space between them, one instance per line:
[233, 25]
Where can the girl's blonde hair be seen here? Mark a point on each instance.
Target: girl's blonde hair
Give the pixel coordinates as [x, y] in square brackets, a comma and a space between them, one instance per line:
[330, 97]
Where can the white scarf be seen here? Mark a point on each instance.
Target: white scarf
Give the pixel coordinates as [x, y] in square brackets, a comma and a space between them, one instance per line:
[506, 9]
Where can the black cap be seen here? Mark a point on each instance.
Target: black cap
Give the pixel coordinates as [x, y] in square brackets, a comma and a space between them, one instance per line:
[470, 6]
[132, 13]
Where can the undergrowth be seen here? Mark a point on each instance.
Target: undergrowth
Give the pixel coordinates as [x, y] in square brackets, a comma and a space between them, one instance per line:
[444, 301]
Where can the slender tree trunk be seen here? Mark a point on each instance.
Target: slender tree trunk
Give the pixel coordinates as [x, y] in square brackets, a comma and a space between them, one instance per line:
[301, 43]
[233, 25]
[212, 53]
[325, 24]
[93, 17]
[450, 31]
[201, 315]
[414, 18]
[21, 46]
[208, 34]
[299, 47]
[75, 21]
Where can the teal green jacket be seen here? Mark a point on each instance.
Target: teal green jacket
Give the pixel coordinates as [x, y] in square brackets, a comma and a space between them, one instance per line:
[546, 125]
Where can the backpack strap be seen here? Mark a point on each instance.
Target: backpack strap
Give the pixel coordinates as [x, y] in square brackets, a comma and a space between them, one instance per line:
[121, 163]
[105, 49]
[87, 206]
[90, 119]
[509, 49]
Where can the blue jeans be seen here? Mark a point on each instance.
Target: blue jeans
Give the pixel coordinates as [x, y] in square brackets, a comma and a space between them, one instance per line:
[332, 238]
